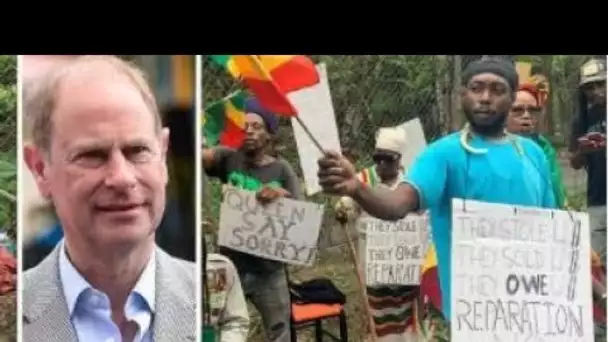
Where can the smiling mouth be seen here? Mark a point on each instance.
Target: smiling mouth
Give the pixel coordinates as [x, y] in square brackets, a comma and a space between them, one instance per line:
[118, 208]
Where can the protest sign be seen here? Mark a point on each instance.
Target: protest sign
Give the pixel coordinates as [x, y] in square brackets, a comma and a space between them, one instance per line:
[520, 274]
[394, 250]
[316, 110]
[416, 142]
[285, 230]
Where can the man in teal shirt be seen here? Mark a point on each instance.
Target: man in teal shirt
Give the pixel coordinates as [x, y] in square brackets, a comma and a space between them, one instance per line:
[482, 162]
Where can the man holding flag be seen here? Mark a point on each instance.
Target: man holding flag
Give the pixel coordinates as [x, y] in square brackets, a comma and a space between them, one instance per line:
[482, 162]
[254, 167]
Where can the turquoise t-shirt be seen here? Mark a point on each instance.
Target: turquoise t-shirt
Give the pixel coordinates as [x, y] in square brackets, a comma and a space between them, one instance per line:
[445, 170]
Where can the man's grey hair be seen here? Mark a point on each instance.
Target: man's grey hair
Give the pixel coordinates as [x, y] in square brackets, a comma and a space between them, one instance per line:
[39, 96]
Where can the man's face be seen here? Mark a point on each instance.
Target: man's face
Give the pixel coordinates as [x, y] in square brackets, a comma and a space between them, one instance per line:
[486, 102]
[523, 116]
[595, 93]
[105, 172]
[387, 163]
[256, 134]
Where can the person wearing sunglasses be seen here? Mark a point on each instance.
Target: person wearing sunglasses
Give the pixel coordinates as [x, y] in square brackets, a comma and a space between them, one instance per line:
[523, 120]
[398, 302]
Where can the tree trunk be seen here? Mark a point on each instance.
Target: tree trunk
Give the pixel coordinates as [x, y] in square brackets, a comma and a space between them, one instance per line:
[457, 117]
[441, 82]
[547, 126]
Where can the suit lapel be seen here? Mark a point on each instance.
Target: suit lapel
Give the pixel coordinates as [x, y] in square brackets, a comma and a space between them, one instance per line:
[45, 312]
[175, 318]
[46, 316]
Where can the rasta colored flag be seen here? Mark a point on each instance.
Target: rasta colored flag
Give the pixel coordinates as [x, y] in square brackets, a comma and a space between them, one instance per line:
[290, 72]
[369, 176]
[224, 121]
[271, 77]
[430, 290]
[226, 62]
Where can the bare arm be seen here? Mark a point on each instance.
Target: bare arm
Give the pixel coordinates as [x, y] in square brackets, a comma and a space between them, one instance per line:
[207, 158]
[425, 185]
[386, 204]
[214, 161]
[212, 156]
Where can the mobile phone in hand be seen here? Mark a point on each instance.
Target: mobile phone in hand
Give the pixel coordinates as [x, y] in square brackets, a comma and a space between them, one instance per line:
[596, 136]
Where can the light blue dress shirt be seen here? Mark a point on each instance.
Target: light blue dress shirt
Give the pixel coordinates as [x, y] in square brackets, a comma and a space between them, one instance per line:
[90, 311]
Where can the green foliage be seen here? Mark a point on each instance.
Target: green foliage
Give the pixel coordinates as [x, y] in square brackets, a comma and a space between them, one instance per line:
[8, 70]
[577, 200]
[8, 137]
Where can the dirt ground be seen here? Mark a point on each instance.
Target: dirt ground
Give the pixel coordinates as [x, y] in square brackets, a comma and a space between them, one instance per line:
[336, 265]
[342, 273]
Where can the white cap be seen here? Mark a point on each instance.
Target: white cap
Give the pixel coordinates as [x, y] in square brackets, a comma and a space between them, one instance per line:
[391, 139]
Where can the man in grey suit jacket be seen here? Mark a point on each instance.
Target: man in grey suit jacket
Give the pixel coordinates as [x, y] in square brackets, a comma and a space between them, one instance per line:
[99, 155]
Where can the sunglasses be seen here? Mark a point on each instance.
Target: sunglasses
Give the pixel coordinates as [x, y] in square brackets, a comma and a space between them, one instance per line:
[519, 110]
[384, 158]
[593, 85]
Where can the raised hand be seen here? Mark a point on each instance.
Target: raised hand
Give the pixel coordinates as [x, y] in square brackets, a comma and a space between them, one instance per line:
[337, 175]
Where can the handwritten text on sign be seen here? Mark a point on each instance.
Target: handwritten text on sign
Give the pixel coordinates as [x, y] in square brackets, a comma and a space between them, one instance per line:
[395, 250]
[285, 230]
[520, 274]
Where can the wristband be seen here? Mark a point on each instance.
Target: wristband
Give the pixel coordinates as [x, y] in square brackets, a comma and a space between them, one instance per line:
[360, 186]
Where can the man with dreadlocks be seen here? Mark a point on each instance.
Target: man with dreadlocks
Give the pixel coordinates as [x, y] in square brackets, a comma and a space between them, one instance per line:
[482, 162]
[254, 167]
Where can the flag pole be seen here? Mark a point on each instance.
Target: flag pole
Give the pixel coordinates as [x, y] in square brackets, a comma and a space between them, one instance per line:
[260, 68]
[307, 131]
[362, 283]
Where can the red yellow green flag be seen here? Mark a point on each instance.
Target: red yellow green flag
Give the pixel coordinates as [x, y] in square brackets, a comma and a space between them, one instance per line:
[369, 176]
[260, 82]
[226, 62]
[271, 77]
[290, 72]
[224, 121]
[430, 289]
